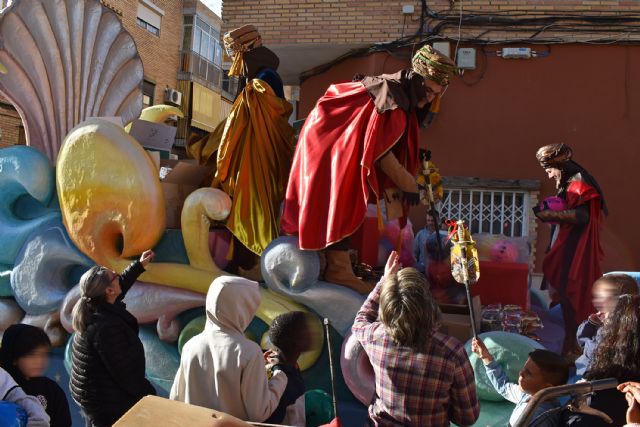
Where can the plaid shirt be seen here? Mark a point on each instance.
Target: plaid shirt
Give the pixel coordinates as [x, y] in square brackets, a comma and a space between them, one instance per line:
[430, 388]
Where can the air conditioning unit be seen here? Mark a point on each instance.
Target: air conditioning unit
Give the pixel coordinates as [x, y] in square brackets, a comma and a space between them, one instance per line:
[172, 96]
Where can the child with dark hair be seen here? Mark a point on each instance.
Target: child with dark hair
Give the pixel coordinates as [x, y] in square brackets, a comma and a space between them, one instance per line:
[542, 369]
[605, 292]
[24, 355]
[289, 333]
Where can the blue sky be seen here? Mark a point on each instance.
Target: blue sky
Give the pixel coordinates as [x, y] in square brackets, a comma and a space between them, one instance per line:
[215, 5]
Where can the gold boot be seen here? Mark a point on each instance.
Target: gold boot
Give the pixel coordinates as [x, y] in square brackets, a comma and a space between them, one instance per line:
[339, 271]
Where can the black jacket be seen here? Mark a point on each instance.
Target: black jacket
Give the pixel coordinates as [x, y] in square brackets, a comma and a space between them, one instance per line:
[52, 397]
[107, 360]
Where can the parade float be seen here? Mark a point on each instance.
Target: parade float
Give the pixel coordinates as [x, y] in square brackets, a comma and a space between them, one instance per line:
[84, 191]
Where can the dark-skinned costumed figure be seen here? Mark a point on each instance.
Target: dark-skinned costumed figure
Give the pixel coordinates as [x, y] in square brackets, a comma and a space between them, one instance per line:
[572, 262]
[252, 149]
[358, 145]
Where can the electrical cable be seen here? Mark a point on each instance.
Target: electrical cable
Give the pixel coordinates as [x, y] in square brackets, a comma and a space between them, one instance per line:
[455, 52]
[404, 23]
[606, 29]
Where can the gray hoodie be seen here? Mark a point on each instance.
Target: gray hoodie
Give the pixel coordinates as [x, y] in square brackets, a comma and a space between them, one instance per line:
[11, 392]
[220, 368]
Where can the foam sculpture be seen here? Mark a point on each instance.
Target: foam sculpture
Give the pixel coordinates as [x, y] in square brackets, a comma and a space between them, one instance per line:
[24, 173]
[66, 61]
[357, 370]
[293, 272]
[161, 360]
[5, 281]
[50, 324]
[199, 208]
[113, 206]
[157, 114]
[10, 313]
[109, 191]
[41, 275]
[149, 303]
[510, 350]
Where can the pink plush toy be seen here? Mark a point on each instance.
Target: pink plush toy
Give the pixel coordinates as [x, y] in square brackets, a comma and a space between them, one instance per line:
[504, 251]
[554, 203]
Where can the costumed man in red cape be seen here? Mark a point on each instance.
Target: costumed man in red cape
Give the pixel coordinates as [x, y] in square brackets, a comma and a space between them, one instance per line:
[572, 262]
[358, 145]
[252, 149]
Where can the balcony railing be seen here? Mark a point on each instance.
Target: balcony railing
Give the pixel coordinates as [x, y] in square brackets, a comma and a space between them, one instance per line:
[191, 62]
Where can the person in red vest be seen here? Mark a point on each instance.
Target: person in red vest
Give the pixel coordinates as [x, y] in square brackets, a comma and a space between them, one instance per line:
[572, 262]
[358, 145]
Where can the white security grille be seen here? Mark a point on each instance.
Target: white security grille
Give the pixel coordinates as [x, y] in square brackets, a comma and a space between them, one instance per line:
[488, 211]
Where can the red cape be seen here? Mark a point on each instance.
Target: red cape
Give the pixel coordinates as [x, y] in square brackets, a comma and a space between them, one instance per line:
[334, 168]
[584, 263]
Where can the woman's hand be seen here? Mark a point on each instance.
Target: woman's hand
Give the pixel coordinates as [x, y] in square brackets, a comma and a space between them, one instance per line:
[632, 394]
[393, 264]
[146, 257]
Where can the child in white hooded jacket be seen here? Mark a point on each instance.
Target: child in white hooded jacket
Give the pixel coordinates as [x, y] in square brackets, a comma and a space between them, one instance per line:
[11, 392]
[220, 368]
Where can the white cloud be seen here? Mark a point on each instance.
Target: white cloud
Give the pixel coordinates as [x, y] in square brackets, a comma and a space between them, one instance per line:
[215, 5]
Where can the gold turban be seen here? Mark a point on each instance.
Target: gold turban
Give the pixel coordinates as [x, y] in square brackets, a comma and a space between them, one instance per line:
[237, 42]
[554, 155]
[433, 65]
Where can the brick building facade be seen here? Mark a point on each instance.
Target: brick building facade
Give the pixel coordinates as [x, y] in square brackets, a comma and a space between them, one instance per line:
[286, 22]
[158, 42]
[11, 129]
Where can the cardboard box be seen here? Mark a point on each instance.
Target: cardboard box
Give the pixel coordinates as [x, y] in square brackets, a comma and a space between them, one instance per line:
[153, 135]
[179, 178]
[165, 155]
[457, 322]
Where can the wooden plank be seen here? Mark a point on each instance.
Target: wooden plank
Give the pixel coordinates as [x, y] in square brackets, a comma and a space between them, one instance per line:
[158, 411]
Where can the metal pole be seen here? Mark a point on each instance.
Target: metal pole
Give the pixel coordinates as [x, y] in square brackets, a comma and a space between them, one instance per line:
[331, 369]
[472, 311]
[561, 390]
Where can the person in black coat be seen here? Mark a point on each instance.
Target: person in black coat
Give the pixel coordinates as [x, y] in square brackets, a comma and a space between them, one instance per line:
[107, 357]
[24, 355]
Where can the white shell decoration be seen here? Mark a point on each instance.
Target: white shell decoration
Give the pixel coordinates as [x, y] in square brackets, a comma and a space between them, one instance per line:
[66, 61]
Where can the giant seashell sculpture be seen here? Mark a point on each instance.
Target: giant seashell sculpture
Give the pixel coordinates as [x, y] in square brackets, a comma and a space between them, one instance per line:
[66, 61]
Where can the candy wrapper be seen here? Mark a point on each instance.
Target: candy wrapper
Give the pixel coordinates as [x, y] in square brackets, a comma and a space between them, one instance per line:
[510, 318]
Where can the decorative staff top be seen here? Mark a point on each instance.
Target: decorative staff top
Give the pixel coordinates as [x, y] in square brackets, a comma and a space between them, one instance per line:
[465, 266]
